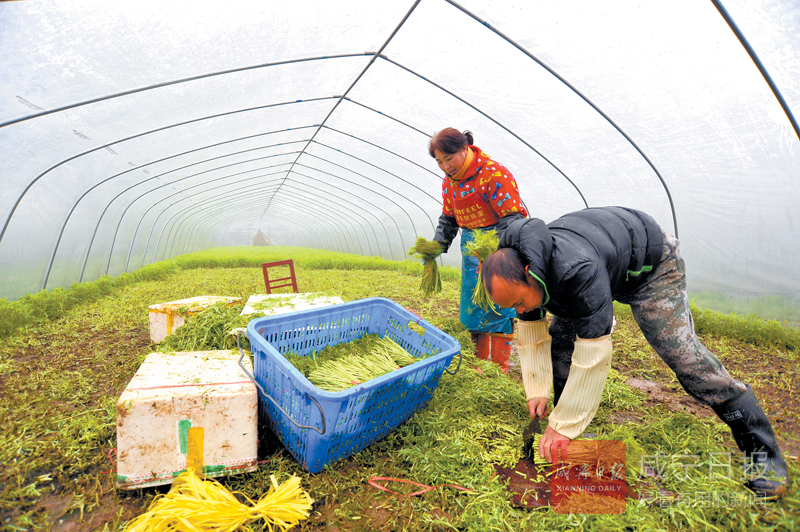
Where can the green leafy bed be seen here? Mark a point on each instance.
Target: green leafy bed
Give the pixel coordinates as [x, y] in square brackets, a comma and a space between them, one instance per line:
[62, 373]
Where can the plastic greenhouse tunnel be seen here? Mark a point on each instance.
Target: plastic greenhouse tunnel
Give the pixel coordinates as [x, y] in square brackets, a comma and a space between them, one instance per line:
[142, 139]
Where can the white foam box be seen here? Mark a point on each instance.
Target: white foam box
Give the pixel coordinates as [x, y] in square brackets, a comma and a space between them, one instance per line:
[166, 317]
[186, 409]
[271, 304]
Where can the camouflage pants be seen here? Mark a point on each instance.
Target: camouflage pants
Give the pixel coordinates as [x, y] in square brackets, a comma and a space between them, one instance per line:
[661, 309]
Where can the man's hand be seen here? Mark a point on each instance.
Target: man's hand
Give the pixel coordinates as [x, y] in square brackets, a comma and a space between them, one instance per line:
[537, 406]
[550, 444]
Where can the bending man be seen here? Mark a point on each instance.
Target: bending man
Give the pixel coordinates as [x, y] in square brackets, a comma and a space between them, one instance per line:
[575, 267]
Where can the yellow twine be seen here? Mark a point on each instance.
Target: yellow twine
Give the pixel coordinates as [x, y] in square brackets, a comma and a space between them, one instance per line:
[198, 505]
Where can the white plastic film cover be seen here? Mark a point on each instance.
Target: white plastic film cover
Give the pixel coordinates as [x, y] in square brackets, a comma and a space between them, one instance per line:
[133, 132]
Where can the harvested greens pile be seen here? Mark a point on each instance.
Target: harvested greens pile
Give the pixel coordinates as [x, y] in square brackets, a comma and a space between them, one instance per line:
[344, 365]
[428, 250]
[209, 330]
[484, 244]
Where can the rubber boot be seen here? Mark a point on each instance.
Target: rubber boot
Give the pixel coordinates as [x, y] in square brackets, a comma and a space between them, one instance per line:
[473, 335]
[501, 349]
[765, 469]
[483, 347]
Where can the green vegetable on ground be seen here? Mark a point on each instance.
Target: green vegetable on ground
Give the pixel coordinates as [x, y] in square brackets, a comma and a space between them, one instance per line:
[428, 250]
[211, 329]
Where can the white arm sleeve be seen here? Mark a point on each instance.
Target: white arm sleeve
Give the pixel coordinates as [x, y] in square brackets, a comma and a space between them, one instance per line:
[533, 345]
[591, 362]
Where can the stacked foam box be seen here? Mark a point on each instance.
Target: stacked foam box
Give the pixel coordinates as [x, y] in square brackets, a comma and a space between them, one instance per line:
[187, 409]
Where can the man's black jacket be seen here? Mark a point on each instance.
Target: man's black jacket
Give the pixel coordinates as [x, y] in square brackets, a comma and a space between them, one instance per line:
[586, 259]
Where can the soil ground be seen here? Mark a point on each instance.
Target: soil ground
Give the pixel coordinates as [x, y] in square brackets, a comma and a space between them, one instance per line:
[661, 388]
[774, 379]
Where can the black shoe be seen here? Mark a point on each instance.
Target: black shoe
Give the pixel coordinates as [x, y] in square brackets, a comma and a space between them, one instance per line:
[765, 469]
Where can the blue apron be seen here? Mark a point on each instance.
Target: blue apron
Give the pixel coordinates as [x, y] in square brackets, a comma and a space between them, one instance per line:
[472, 316]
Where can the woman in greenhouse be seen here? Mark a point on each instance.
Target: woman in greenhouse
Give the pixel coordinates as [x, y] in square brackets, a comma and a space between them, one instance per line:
[478, 193]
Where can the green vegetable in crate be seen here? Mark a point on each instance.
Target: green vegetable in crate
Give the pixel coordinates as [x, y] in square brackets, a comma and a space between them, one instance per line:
[428, 250]
[484, 244]
[350, 370]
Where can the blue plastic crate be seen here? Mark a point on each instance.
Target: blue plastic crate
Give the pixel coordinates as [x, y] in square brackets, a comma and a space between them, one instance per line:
[320, 427]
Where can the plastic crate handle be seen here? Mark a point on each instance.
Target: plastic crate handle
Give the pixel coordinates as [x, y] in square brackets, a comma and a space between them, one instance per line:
[265, 394]
[459, 351]
[457, 367]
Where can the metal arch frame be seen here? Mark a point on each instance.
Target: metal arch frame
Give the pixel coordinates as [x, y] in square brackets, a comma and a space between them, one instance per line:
[370, 225]
[288, 206]
[761, 68]
[158, 241]
[344, 216]
[275, 155]
[131, 137]
[150, 236]
[177, 82]
[220, 157]
[176, 228]
[356, 210]
[177, 125]
[314, 179]
[184, 123]
[91, 241]
[292, 213]
[87, 191]
[141, 219]
[186, 244]
[579, 94]
[197, 163]
[208, 171]
[308, 242]
[353, 235]
[491, 119]
[391, 251]
[216, 226]
[113, 242]
[377, 242]
[299, 232]
[197, 236]
[181, 191]
[437, 176]
[575, 186]
[254, 205]
[413, 226]
[353, 84]
[372, 60]
[437, 200]
[52, 258]
[204, 240]
[373, 180]
[55, 249]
